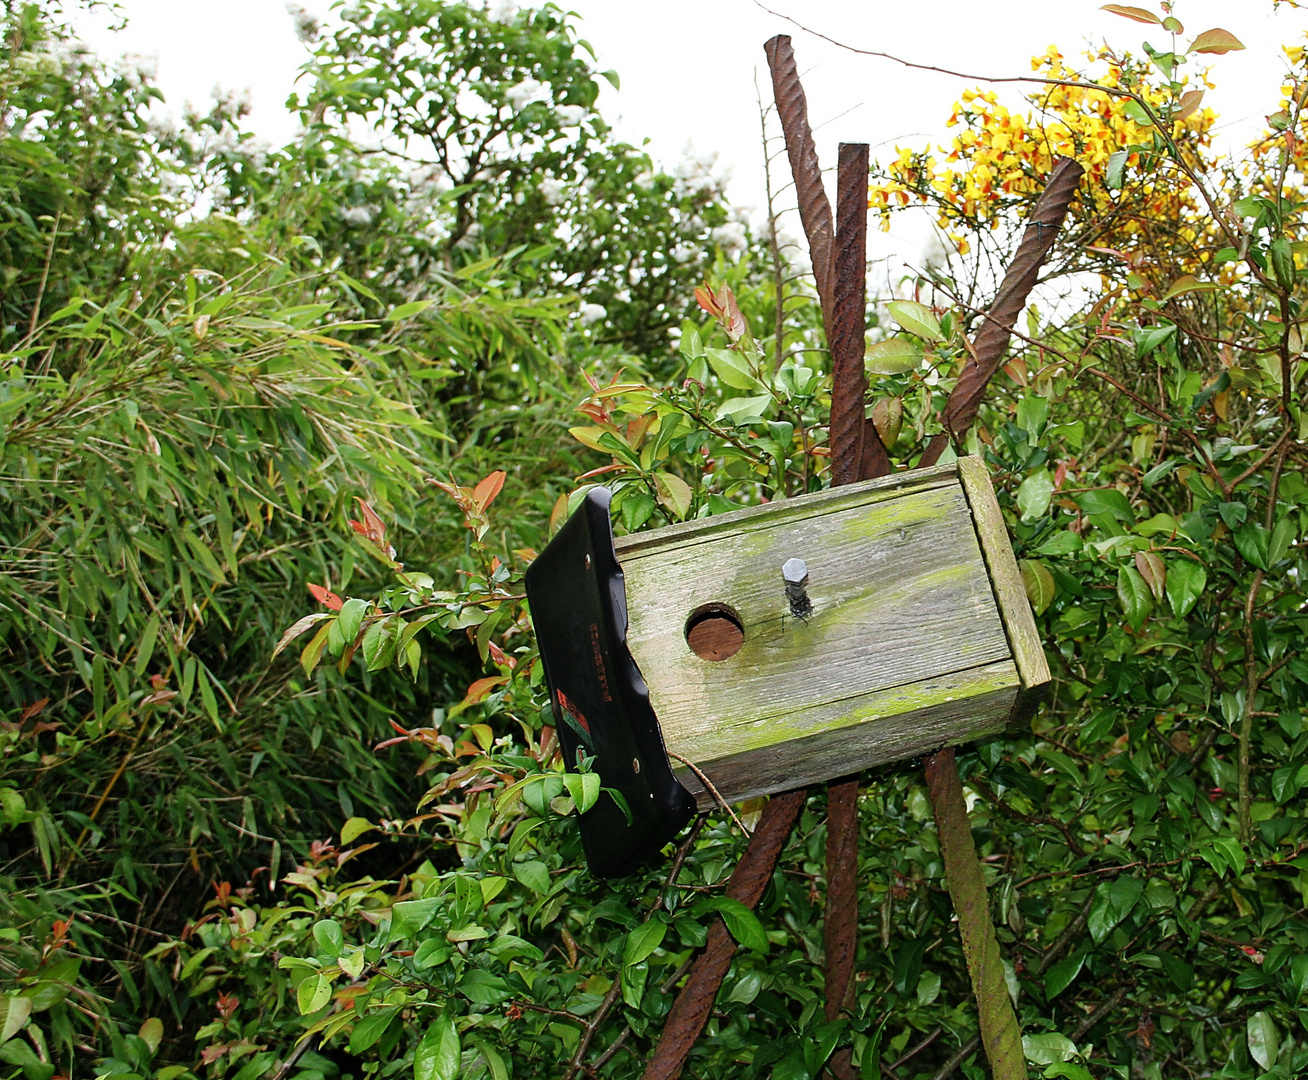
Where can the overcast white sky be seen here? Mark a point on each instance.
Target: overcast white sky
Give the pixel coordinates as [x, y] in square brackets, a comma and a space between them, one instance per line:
[688, 67]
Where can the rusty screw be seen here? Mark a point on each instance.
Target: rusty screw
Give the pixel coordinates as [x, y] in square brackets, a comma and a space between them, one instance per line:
[795, 575]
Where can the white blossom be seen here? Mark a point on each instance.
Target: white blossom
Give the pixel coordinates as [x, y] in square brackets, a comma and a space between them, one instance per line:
[136, 69]
[591, 313]
[358, 215]
[306, 26]
[570, 115]
[502, 11]
[551, 191]
[730, 238]
[523, 94]
[684, 253]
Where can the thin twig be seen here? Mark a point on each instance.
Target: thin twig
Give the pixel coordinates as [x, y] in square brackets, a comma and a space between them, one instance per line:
[964, 1052]
[708, 784]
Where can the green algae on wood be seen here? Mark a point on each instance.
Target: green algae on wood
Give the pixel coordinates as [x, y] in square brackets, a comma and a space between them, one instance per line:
[915, 639]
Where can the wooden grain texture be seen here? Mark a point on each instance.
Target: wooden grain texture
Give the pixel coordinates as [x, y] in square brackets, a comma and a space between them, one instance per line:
[1010, 593]
[904, 651]
[702, 530]
[848, 736]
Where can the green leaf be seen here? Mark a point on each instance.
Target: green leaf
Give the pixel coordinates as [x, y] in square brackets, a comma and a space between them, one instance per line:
[350, 619]
[371, 1028]
[1034, 494]
[494, 1061]
[916, 319]
[1113, 902]
[1138, 113]
[1181, 973]
[1253, 541]
[1063, 542]
[1134, 596]
[1187, 283]
[1186, 579]
[313, 993]
[1232, 851]
[437, 1056]
[1039, 584]
[1048, 1048]
[406, 311]
[1062, 974]
[633, 979]
[1285, 533]
[741, 409]
[1106, 501]
[145, 648]
[894, 356]
[643, 940]
[327, 933]
[483, 988]
[354, 828]
[151, 1033]
[733, 370]
[747, 988]
[1116, 174]
[1068, 1070]
[584, 789]
[674, 493]
[1149, 338]
[309, 657]
[1158, 525]
[741, 922]
[534, 874]
[1264, 1039]
[299, 627]
[14, 1012]
[410, 916]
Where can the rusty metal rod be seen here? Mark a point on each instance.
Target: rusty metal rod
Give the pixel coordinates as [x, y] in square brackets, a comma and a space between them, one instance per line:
[847, 320]
[814, 209]
[991, 342]
[695, 1001]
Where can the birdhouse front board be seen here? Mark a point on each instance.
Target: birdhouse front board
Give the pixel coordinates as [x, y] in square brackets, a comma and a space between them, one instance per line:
[778, 646]
[916, 634]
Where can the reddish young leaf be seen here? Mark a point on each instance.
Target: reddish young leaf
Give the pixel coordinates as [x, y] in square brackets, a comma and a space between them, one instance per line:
[1216, 41]
[1154, 571]
[484, 493]
[480, 690]
[1136, 14]
[461, 495]
[372, 526]
[33, 709]
[326, 597]
[1189, 104]
[559, 514]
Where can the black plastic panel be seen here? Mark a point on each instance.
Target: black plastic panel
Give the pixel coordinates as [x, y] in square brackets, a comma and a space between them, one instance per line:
[601, 705]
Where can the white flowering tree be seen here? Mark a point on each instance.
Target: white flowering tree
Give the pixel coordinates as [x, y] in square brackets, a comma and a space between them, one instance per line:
[482, 122]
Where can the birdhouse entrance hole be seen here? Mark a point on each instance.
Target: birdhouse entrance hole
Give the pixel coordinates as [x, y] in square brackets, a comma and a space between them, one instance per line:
[714, 632]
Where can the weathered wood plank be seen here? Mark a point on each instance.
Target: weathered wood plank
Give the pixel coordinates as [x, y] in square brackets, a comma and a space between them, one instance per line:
[1010, 593]
[837, 737]
[903, 618]
[686, 533]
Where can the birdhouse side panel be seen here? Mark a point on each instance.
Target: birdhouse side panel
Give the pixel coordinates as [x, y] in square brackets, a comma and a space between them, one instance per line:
[841, 737]
[899, 596]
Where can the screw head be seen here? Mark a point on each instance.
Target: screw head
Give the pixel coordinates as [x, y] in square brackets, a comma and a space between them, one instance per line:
[795, 572]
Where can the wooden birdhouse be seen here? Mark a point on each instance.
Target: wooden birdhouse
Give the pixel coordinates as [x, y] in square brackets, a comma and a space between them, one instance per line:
[777, 646]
